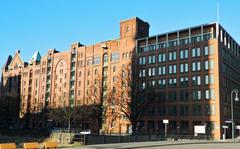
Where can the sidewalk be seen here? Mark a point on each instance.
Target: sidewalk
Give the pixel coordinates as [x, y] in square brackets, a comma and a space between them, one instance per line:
[147, 144]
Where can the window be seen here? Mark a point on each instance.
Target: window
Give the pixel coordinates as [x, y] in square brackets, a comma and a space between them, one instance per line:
[143, 85]
[89, 62]
[172, 110]
[196, 110]
[142, 73]
[206, 51]
[152, 83]
[162, 70]
[183, 95]
[209, 109]
[172, 96]
[161, 57]
[151, 59]
[114, 79]
[172, 82]
[195, 39]
[209, 94]
[105, 58]
[172, 43]
[184, 111]
[105, 72]
[196, 66]
[162, 83]
[196, 52]
[162, 45]
[183, 81]
[80, 73]
[115, 56]
[206, 79]
[96, 60]
[209, 50]
[96, 71]
[196, 95]
[172, 69]
[184, 54]
[184, 41]
[196, 80]
[152, 47]
[151, 71]
[211, 64]
[114, 68]
[184, 68]
[142, 60]
[172, 56]
[207, 36]
[209, 79]
[206, 65]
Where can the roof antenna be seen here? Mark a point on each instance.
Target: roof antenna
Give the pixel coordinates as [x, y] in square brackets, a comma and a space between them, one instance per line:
[218, 12]
[217, 24]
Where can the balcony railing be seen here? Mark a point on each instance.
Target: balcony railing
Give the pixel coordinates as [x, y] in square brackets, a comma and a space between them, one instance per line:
[175, 42]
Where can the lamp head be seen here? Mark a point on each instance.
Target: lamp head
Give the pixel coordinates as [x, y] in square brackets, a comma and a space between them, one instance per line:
[236, 99]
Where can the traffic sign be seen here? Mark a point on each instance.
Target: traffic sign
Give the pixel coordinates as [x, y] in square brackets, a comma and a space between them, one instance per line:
[165, 121]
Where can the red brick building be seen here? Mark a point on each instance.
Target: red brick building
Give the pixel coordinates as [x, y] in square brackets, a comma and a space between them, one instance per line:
[192, 71]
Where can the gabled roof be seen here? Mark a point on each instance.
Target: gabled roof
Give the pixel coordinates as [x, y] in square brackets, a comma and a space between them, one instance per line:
[35, 58]
[16, 59]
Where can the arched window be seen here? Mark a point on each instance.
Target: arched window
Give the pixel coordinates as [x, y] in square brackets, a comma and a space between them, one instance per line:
[80, 73]
[123, 55]
[96, 71]
[114, 68]
[130, 54]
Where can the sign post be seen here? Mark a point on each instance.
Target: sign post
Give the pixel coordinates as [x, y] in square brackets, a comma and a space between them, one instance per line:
[199, 129]
[224, 128]
[238, 128]
[165, 122]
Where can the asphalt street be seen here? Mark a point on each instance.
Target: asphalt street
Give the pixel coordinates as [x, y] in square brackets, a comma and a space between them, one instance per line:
[165, 145]
[199, 146]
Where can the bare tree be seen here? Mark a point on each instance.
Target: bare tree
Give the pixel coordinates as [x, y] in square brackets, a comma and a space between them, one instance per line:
[64, 112]
[97, 102]
[130, 100]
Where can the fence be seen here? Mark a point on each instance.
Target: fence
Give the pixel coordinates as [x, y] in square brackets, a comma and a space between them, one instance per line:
[105, 139]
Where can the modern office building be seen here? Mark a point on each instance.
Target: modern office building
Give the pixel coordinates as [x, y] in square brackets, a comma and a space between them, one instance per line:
[192, 71]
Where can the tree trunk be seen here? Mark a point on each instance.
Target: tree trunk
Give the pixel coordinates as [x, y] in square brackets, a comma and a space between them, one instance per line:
[134, 128]
[69, 126]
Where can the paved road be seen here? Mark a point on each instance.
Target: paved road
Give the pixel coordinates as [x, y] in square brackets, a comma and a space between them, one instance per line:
[200, 146]
[165, 145]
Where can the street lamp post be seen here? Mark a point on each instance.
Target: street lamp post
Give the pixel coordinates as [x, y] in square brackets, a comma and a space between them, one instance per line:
[236, 99]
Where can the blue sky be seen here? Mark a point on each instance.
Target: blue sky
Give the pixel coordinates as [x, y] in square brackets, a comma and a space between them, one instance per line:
[31, 25]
